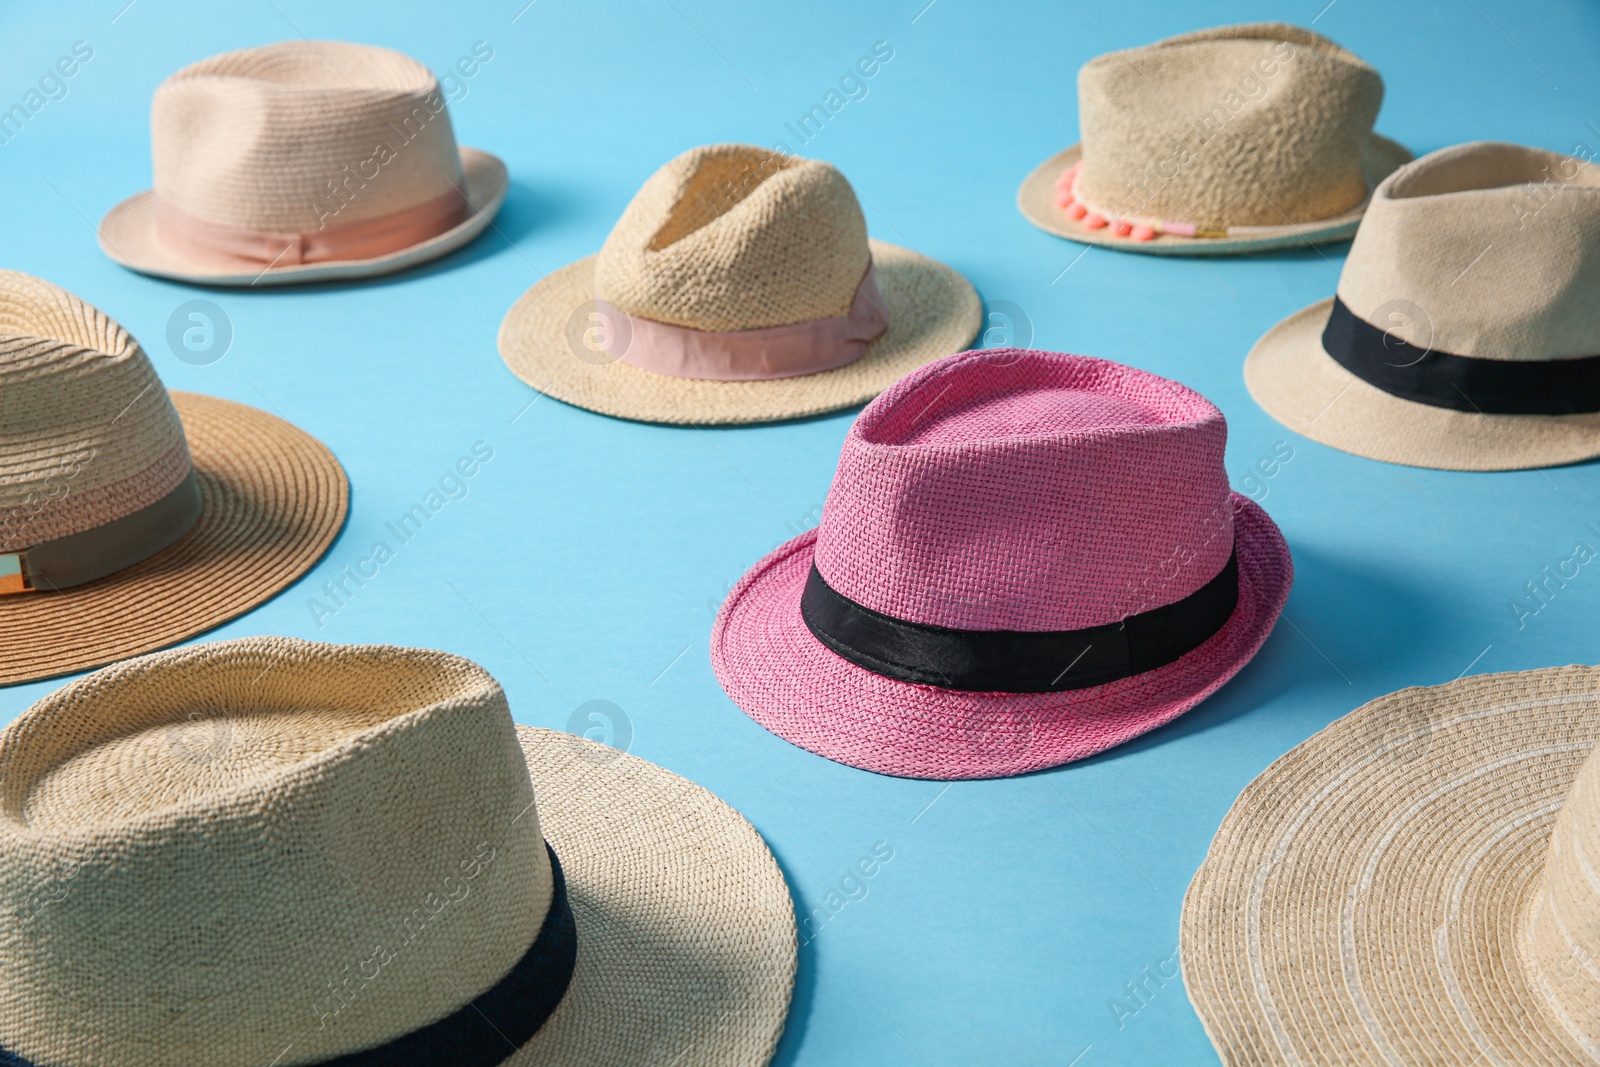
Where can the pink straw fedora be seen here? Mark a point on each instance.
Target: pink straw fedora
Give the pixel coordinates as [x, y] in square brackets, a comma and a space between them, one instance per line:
[302, 161]
[1026, 558]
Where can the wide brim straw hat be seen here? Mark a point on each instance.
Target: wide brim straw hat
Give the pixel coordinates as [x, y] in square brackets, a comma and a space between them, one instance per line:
[273, 498]
[1414, 884]
[1459, 274]
[322, 795]
[131, 518]
[302, 161]
[1036, 199]
[1220, 141]
[746, 254]
[775, 668]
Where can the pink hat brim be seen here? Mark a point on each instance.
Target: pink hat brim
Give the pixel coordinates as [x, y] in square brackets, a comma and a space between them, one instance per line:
[790, 683]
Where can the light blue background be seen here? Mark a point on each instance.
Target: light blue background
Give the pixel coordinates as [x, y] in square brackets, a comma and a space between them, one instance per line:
[589, 556]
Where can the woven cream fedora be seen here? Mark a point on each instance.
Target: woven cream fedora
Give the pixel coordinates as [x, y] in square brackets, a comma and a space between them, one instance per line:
[302, 161]
[1465, 333]
[269, 851]
[1235, 139]
[1416, 884]
[739, 286]
[131, 519]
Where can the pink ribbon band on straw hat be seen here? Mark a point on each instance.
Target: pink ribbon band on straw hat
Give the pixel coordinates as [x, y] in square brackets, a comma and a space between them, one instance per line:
[749, 355]
[367, 239]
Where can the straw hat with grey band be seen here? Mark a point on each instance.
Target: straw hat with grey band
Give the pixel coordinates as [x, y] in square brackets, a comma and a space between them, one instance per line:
[131, 519]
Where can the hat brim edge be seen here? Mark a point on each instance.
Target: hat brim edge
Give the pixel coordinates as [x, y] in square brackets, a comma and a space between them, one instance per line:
[740, 932]
[533, 344]
[127, 235]
[1036, 201]
[1306, 390]
[1266, 575]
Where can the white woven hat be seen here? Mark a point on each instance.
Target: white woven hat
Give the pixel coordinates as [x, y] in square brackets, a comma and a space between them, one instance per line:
[1465, 333]
[269, 851]
[302, 161]
[1419, 883]
[739, 286]
[1225, 140]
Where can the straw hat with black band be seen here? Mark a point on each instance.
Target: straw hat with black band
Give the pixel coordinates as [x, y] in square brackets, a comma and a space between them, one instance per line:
[1227, 140]
[298, 162]
[1465, 333]
[270, 851]
[1416, 884]
[739, 286]
[131, 519]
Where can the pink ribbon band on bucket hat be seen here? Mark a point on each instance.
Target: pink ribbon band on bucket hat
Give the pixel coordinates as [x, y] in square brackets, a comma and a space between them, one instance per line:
[749, 355]
[367, 239]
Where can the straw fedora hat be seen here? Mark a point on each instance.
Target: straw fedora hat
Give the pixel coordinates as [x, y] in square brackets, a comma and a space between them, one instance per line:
[1415, 884]
[1235, 139]
[739, 286]
[131, 519]
[302, 161]
[1465, 333]
[1025, 558]
[270, 851]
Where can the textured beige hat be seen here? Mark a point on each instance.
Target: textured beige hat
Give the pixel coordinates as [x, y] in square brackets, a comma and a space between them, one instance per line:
[1235, 139]
[269, 851]
[130, 519]
[302, 161]
[739, 286]
[1465, 333]
[1416, 884]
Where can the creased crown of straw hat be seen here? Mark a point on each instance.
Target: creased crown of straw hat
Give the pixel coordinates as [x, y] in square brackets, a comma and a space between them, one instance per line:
[131, 519]
[274, 851]
[738, 286]
[1234, 139]
[1465, 331]
[1025, 558]
[302, 161]
[1414, 884]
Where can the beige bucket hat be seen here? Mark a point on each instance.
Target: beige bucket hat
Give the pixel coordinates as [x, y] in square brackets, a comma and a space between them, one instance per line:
[739, 286]
[131, 519]
[1234, 139]
[1465, 333]
[1415, 884]
[270, 851]
[302, 161]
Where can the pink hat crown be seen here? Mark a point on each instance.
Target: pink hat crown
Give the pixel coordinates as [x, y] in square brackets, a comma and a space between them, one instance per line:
[1023, 490]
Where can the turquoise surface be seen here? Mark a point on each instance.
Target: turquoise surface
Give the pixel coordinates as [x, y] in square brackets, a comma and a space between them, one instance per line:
[1030, 921]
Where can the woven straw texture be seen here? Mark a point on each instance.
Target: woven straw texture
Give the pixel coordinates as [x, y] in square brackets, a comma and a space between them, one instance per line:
[1261, 125]
[1037, 201]
[87, 434]
[273, 498]
[730, 237]
[1390, 890]
[293, 137]
[1485, 250]
[1005, 489]
[330, 799]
